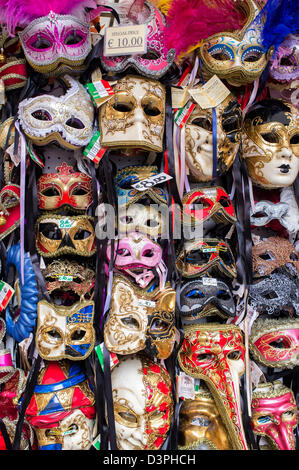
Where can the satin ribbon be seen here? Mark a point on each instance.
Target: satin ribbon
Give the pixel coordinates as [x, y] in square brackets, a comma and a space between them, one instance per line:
[5, 359]
[252, 96]
[214, 131]
[22, 201]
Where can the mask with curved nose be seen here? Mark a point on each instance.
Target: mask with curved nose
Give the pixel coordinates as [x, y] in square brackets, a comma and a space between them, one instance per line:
[271, 143]
[143, 405]
[274, 415]
[134, 117]
[215, 354]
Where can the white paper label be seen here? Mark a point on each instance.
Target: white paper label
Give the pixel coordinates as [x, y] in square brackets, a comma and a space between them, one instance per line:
[64, 278]
[125, 40]
[151, 181]
[147, 303]
[65, 223]
[209, 281]
[211, 94]
[186, 386]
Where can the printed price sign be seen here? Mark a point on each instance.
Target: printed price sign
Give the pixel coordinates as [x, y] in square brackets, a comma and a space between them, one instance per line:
[151, 181]
[125, 40]
[209, 281]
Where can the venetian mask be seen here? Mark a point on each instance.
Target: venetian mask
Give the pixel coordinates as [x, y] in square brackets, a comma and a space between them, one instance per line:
[65, 332]
[140, 320]
[201, 426]
[275, 342]
[273, 253]
[9, 209]
[274, 415]
[236, 56]
[156, 61]
[285, 63]
[199, 138]
[67, 119]
[271, 143]
[62, 408]
[134, 117]
[143, 403]
[149, 220]
[215, 354]
[66, 187]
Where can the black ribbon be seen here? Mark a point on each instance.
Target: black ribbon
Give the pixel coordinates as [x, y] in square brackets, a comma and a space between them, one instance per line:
[109, 399]
[5, 435]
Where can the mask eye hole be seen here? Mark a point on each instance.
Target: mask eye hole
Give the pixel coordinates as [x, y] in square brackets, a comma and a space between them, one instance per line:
[72, 429]
[220, 53]
[130, 322]
[123, 252]
[159, 326]
[205, 357]
[78, 334]
[222, 295]
[41, 43]
[75, 123]
[202, 122]
[288, 415]
[82, 234]
[54, 334]
[79, 191]
[50, 230]
[259, 215]
[151, 223]
[266, 256]
[225, 201]
[50, 192]
[226, 257]
[234, 355]
[294, 139]
[72, 38]
[151, 55]
[127, 416]
[293, 256]
[280, 343]
[122, 104]
[150, 108]
[270, 295]
[231, 124]
[149, 253]
[270, 137]
[198, 257]
[287, 61]
[264, 419]
[41, 115]
[252, 56]
[127, 219]
[201, 420]
[195, 294]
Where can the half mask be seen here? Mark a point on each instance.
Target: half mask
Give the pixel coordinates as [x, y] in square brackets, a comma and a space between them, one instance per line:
[273, 253]
[143, 403]
[199, 139]
[57, 235]
[140, 320]
[9, 209]
[271, 143]
[62, 408]
[135, 116]
[150, 220]
[66, 119]
[65, 332]
[275, 343]
[266, 211]
[285, 63]
[274, 415]
[156, 61]
[215, 354]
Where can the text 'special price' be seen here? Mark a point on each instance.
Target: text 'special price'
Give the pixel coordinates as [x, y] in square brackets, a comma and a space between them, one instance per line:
[125, 40]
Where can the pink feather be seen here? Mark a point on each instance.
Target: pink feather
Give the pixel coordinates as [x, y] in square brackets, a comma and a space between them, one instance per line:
[190, 21]
[21, 12]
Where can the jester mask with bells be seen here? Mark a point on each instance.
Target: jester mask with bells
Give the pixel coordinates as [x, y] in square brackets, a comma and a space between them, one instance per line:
[274, 415]
[62, 408]
[134, 117]
[143, 403]
[215, 353]
[271, 143]
[199, 138]
[201, 426]
[140, 320]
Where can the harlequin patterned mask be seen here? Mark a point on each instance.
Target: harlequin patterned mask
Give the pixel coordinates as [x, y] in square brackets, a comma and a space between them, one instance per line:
[273, 253]
[140, 320]
[275, 343]
[67, 119]
[201, 426]
[134, 117]
[56, 44]
[66, 187]
[271, 143]
[143, 403]
[65, 332]
[238, 56]
[215, 354]
[62, 408]
[208, 254]
[9, 209]
[58, 235]
[136, 256]
[153, 64]
[274, 415]
[199, 139]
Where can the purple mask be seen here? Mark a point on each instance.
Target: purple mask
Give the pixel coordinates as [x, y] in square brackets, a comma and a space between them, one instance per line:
[153, 64]
[285, 63]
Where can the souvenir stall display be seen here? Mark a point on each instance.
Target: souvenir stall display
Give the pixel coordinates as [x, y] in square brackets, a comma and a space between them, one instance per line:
[149, 217]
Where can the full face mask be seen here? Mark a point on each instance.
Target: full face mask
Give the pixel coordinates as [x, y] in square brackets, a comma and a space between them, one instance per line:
[9, 209]
[275, 343]
[215, 354]
[274, 415]
[156, 62]
[271, 143]
[143, 403]
[134, 117]
[274, 294]
[65, 332]
[140, 320]
[136, 256]
[62, 408]
[199, 139]
[273, 253]
[57, 235]
[199, 298]
[236, 56]
[66, 187]
[201, 426]
[66, 119]
[148, 220]
[208, 255]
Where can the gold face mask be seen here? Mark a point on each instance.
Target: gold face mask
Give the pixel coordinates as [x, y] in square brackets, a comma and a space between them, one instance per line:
[135, 115]
[201, 426]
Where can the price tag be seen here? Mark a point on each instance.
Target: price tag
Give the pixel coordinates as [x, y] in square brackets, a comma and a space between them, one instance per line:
[182, 115]
[151, 181]
[64, 278]
[186, 386]
[65, 223]
[209, 281]
[179, 97]
[209, 250]
[147, 303]
[6, 293]
[94, 151]
[211, 94]
[125, 40]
